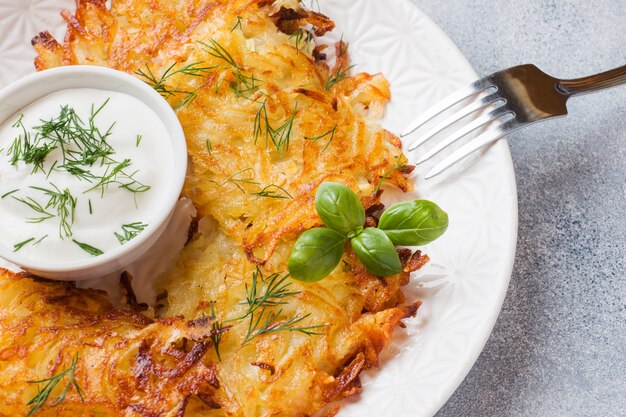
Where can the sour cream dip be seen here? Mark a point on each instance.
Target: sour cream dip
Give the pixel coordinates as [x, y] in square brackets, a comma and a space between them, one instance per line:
[83, 172]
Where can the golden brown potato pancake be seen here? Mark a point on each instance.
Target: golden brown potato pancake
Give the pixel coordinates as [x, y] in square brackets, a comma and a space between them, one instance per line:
[266, 121]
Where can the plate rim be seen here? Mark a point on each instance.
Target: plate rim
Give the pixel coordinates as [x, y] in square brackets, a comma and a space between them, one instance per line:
[473, 356]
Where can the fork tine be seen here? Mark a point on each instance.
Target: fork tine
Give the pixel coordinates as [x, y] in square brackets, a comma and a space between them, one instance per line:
[464, 131]
[483, 140]
[474, 88]
[455, 117]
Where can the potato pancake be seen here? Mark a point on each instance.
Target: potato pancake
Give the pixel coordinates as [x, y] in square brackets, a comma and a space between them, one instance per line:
[267, 120]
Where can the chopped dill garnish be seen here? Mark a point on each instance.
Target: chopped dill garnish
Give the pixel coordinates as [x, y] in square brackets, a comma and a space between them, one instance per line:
[218, 330]
[237, 25]
[88, 248]
[30, 150]
[301, 36]
[209, 146]
[263, 299]
[279, 137]
[9, 193]
[115, 174]
[20, 245]
[338, 75]
[90, 208]
[138, 140]
[400, 164]
[233, 179]
[54, 164]
[312, 3]
[331, 132]
[46, 386]
[130, 231]
[160, 83]
[40, 240]
[273, 191]
[84, 145]
[218, 51]
[35, 206]
[244, 85]
[266, 292]
[268, 321]
[64, 203]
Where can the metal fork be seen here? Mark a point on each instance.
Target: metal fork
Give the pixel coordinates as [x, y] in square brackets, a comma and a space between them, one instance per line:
[506, 101]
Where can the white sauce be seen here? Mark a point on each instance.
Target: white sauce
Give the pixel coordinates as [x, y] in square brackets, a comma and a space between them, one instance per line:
[152, 159]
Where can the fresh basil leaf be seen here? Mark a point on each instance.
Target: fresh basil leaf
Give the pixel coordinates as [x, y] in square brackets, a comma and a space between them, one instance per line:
[377, 252]
[316, 254]
[414, 223]
[339, 207]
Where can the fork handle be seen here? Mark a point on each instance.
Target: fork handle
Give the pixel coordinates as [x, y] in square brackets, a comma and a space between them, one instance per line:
[593, 83]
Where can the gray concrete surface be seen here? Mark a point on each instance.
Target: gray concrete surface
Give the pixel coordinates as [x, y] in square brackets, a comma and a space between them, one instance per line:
[559, 347]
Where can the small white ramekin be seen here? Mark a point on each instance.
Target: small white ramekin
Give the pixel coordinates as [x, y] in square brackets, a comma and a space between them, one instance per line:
[31, 88]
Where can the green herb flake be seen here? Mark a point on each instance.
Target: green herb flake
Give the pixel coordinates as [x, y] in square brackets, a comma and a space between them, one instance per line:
[130, 231]
[40, 240]
[20, 245]
[88, 248]
[273, 191]
[9, 193]
[330, 134]
[237, 25]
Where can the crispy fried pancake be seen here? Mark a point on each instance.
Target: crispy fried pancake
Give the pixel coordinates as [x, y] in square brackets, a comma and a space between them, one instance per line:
[266, 121]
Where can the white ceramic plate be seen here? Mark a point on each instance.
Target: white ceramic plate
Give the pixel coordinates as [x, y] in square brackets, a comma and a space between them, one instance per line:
[464, 285]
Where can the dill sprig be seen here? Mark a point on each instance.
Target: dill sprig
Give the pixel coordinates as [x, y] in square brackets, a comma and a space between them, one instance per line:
[244, 85]
[266, 292]
[160, 83]
[268, 321]
[9, 193]
[40, 240]
[33, 151]
[218, 330]
[115, 174]
[338, 75]
[64, 203]
[130, 231]
[312, 3]
[46, 386]
[138, 140]
[237, 25]
[301, 36]
[264, 300]
[20, 245]
[273, 191]
[331, 132]
[400, 164]
[36, 207]
[218, 51]
[88, 248]
[280, 137]
[238, 182]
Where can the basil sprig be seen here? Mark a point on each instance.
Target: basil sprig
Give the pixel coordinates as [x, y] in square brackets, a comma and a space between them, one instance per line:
[318, 251]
